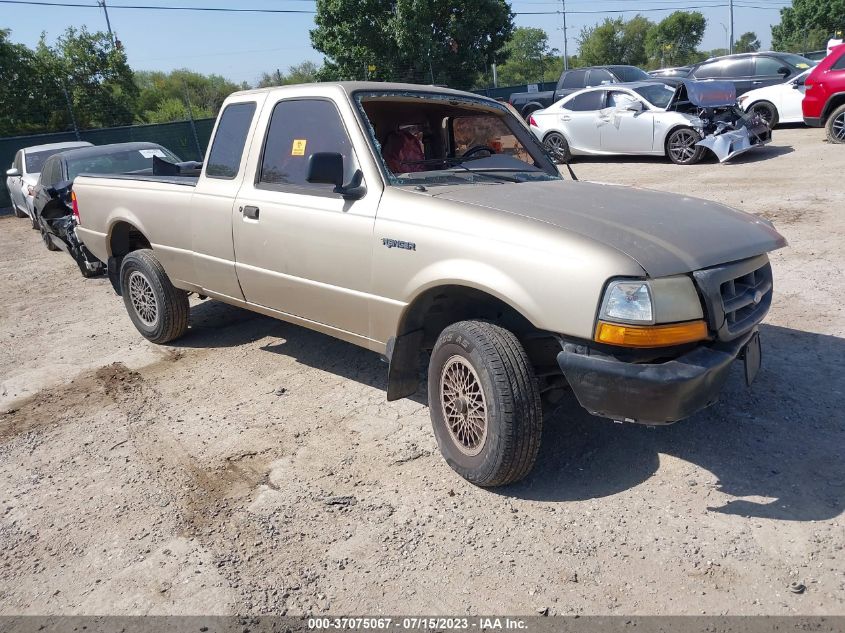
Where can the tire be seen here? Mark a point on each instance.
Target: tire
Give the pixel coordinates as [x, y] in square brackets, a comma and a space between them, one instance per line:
[48, 242]
[526, 114]
[835, 125]
[481, 364]
[557, 145]
[767, 111]
[158, 310]
[681, 146]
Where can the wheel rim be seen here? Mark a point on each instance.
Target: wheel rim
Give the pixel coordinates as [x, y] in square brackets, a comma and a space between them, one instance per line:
[838, 127]
[143, 298]
[463, 404]
[765, 113]
[554, 144]
[682, 145]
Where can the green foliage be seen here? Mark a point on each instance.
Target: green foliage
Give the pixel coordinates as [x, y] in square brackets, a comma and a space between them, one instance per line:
[421, 41]
[304, 73]
[674, 40]
[747, 43]
[21, 109]
[97, 76]
[615, 41]
[159, 94]
[808, 24]
[529, 58]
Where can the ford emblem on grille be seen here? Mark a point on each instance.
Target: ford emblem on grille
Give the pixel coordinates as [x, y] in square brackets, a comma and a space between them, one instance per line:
[758, 297]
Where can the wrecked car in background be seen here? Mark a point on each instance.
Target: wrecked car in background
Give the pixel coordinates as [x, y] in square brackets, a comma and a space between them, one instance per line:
[55, 212]
[677, 118]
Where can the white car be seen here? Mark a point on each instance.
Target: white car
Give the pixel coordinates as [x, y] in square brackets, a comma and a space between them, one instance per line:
[678, 118]
[22, 177]
[780, 103]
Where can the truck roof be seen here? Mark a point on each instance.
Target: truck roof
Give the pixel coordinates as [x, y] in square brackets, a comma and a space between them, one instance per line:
[376, 86]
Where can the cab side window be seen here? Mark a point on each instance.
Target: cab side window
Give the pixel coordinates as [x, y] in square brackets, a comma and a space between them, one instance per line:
[599, 76]
[299, 128]
[767, 66]
[575, 79]
[224, 159]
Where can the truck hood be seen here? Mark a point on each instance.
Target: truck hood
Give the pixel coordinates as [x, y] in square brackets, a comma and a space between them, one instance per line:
[666, 234]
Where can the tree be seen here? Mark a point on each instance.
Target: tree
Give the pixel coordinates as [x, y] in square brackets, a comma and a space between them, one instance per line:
[615, 41]
[808, 24]
[95, 74]
[302, 73]
[529, 58]
[165, 97]
[421, 41]
[747, 43]
[22, 109]
[675, 40]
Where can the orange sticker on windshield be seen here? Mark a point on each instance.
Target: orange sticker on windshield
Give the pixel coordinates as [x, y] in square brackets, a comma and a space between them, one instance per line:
[298, 148]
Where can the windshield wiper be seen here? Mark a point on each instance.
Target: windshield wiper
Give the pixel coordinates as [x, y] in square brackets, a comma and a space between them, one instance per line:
[484, 172]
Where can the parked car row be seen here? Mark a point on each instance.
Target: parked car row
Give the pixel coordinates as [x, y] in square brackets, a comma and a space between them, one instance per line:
[684, 117]
[40, 183]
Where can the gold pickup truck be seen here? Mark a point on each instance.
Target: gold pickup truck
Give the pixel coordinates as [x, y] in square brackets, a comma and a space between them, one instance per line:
[417, 220]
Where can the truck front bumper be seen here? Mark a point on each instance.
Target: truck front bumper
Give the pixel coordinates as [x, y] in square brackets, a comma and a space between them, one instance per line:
[659, 393]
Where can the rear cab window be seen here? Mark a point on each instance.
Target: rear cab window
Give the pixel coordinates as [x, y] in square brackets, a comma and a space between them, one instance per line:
[227, 149]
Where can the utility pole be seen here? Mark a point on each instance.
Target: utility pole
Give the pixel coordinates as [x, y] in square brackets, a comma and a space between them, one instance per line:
[102, 3]
[733, 39]
[565, 38]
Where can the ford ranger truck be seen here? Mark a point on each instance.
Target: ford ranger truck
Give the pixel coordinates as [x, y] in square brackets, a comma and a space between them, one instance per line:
[420, 222]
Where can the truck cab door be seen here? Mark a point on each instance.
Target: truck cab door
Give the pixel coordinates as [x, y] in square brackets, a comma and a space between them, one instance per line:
[301, 248]
[214, 197]
[626, 124]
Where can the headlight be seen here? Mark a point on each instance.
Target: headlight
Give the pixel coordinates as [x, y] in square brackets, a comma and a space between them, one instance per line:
[628, 302]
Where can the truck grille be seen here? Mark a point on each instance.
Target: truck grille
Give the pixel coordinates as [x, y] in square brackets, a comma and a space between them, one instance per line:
[736, 296]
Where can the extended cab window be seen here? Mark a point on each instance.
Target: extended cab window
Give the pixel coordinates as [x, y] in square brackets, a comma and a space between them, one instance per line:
[575, 79]
[298, 129]
[224, 160]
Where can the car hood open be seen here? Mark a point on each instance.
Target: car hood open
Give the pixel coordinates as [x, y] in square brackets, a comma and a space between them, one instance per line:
[666, 234]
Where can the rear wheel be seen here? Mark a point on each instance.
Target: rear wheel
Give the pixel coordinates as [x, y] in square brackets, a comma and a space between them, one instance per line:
[681, 146]
[836, 125]
[557, 145]
[484, 403]
[767, 111]
[157, 308]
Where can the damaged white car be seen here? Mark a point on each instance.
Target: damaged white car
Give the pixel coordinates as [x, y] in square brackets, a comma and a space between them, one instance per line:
[678, 118]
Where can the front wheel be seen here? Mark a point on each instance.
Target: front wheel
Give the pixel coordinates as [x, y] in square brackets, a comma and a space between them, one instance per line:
[47, 241]
[767, 111]
[557, 145]
[484, 403]
[836, 125]
[157, 308]
[681, 146]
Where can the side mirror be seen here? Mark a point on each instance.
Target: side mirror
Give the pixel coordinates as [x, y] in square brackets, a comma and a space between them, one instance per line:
[327, 168]
[797, 83]
[784, 71]
[635, 106]
[14, 172]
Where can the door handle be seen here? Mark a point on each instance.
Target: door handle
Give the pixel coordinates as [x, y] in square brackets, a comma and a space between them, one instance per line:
[250, 212]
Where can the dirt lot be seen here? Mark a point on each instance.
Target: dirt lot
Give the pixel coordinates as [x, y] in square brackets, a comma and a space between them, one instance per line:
[256, 467]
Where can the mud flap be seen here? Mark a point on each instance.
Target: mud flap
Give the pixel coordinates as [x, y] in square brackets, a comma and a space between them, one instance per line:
[403, 376]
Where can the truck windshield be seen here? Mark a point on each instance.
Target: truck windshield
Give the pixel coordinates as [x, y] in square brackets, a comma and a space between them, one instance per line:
[435, 139]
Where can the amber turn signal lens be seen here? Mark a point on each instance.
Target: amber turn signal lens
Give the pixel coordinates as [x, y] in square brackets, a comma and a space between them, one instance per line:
[651, 335]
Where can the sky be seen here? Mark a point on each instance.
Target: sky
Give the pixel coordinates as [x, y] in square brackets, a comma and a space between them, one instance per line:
[241, 46]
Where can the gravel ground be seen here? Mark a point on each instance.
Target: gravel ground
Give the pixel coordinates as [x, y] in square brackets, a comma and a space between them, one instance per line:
[256, 467]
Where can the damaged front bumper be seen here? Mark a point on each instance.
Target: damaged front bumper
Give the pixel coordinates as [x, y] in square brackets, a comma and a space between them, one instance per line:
[653, 393]
[730, 144]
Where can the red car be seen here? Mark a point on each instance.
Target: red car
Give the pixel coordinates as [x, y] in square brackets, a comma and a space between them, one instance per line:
[824, 102]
